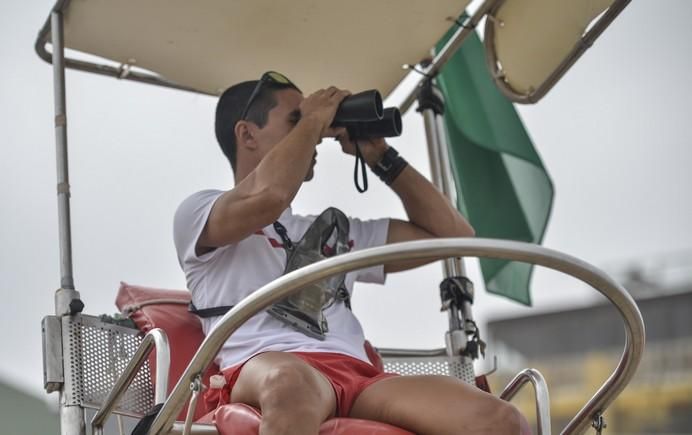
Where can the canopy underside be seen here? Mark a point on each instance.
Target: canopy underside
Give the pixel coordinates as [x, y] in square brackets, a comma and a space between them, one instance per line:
[207, 46]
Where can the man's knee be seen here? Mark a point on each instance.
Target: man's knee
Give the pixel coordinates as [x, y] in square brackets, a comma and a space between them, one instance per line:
[508, 420]
[290, 384]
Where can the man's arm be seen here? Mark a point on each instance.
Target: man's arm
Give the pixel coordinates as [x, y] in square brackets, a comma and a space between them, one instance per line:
[261, 197]
[430, 213]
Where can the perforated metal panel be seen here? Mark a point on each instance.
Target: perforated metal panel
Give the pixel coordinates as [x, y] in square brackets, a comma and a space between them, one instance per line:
[461, 368]
[96, 353]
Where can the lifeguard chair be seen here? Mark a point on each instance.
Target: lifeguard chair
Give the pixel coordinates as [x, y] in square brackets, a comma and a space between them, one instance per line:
[102, 364]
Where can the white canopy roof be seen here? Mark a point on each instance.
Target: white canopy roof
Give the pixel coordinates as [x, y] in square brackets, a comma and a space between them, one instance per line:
[209, 45]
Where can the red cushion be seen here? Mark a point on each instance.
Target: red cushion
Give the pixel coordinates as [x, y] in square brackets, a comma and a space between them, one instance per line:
[240, 419]
[183, 329]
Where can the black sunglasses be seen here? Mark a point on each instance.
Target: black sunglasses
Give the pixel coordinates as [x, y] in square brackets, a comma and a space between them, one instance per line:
[267, 77]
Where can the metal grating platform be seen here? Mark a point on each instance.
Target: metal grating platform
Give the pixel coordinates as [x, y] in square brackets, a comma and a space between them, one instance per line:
[442, 365]
[98, 353]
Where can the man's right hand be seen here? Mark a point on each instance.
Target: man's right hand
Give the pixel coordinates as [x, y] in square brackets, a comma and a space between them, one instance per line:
[259, 198]
[320, 107]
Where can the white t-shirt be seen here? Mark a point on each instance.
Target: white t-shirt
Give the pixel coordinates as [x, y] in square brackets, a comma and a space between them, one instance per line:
[229, 273]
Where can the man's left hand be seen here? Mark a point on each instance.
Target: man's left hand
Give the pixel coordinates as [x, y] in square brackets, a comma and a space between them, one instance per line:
[372, 149]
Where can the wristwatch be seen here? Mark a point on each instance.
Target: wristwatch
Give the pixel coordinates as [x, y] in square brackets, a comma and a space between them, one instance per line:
[390, 166]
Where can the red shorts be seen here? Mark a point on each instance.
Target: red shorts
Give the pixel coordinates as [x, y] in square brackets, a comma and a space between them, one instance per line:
[349, 377]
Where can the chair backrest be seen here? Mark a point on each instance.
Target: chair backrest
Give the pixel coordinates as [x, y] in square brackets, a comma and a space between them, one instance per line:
[167, 309]
[95, 354]
[412, 365]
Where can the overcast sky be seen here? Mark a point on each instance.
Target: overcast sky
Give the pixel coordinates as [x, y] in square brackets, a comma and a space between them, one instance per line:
[614, 134]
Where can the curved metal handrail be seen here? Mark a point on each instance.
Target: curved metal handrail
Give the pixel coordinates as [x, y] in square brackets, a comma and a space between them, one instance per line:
[427, 249]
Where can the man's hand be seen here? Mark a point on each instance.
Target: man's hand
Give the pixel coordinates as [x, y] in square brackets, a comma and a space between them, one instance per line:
[372, 149]
[321, 106]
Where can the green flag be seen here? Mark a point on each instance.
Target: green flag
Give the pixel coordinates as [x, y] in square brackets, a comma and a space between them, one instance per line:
[502, 186]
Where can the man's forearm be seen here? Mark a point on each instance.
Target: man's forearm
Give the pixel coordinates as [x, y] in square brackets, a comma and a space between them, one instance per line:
[427, 207]
[284, 167]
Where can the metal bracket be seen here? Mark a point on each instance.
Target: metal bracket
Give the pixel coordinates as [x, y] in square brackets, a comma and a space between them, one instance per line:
[125, 68]
[196, 386]
[53, 377]
[454, 291]
[430, 97]
[455, 342]
[60, 120]
[474, 346]
[599, 423]
[494, 368]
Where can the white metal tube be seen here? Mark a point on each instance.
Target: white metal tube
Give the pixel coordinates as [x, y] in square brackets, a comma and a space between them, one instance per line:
[443, 180]
[439, 171]
[196, 388]
[430, 250]
[63, 187]
[72, 420]
[455, 266]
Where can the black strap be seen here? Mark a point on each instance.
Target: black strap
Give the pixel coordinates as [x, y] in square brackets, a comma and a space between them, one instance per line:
[283, 233]
[144, 424]
[220, 311]
[209, 312]
[363, 172]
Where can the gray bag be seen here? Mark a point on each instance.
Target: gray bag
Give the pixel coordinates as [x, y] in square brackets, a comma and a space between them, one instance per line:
[304, 310]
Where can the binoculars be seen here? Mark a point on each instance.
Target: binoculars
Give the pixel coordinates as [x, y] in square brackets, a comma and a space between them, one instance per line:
[364, 117]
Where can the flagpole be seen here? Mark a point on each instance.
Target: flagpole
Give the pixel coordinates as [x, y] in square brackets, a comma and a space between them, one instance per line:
[461, 324]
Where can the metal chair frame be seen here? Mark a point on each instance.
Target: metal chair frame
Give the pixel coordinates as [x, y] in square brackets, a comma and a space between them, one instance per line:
[285, 285]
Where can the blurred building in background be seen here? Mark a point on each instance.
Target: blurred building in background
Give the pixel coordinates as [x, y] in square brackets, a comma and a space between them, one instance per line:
[576, 350]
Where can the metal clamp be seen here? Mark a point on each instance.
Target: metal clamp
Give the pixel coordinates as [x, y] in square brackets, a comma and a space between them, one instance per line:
[599, 423]
[196, 387]
[53, 377]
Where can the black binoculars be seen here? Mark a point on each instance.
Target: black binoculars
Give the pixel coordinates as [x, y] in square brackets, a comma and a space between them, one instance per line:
[364, 117]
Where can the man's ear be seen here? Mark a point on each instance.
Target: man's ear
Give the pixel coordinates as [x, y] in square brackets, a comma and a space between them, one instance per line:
[244, 135]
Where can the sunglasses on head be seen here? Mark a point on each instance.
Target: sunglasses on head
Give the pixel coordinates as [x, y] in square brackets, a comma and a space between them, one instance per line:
[267, 77]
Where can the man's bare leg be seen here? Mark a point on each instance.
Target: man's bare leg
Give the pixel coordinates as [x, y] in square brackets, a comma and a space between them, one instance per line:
[438, 405]
[293, 396]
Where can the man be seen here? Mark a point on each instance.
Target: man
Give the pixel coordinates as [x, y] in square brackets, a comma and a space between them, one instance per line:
[229, 245]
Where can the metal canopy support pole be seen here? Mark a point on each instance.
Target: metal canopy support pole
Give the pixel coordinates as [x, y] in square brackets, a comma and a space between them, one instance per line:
[67, 300]
[66, 280]
[460, 318]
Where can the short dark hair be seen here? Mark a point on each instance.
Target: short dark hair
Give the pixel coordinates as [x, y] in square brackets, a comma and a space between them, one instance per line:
[231, 105]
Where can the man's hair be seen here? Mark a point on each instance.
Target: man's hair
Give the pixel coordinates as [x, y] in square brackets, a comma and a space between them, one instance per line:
[231, 105]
